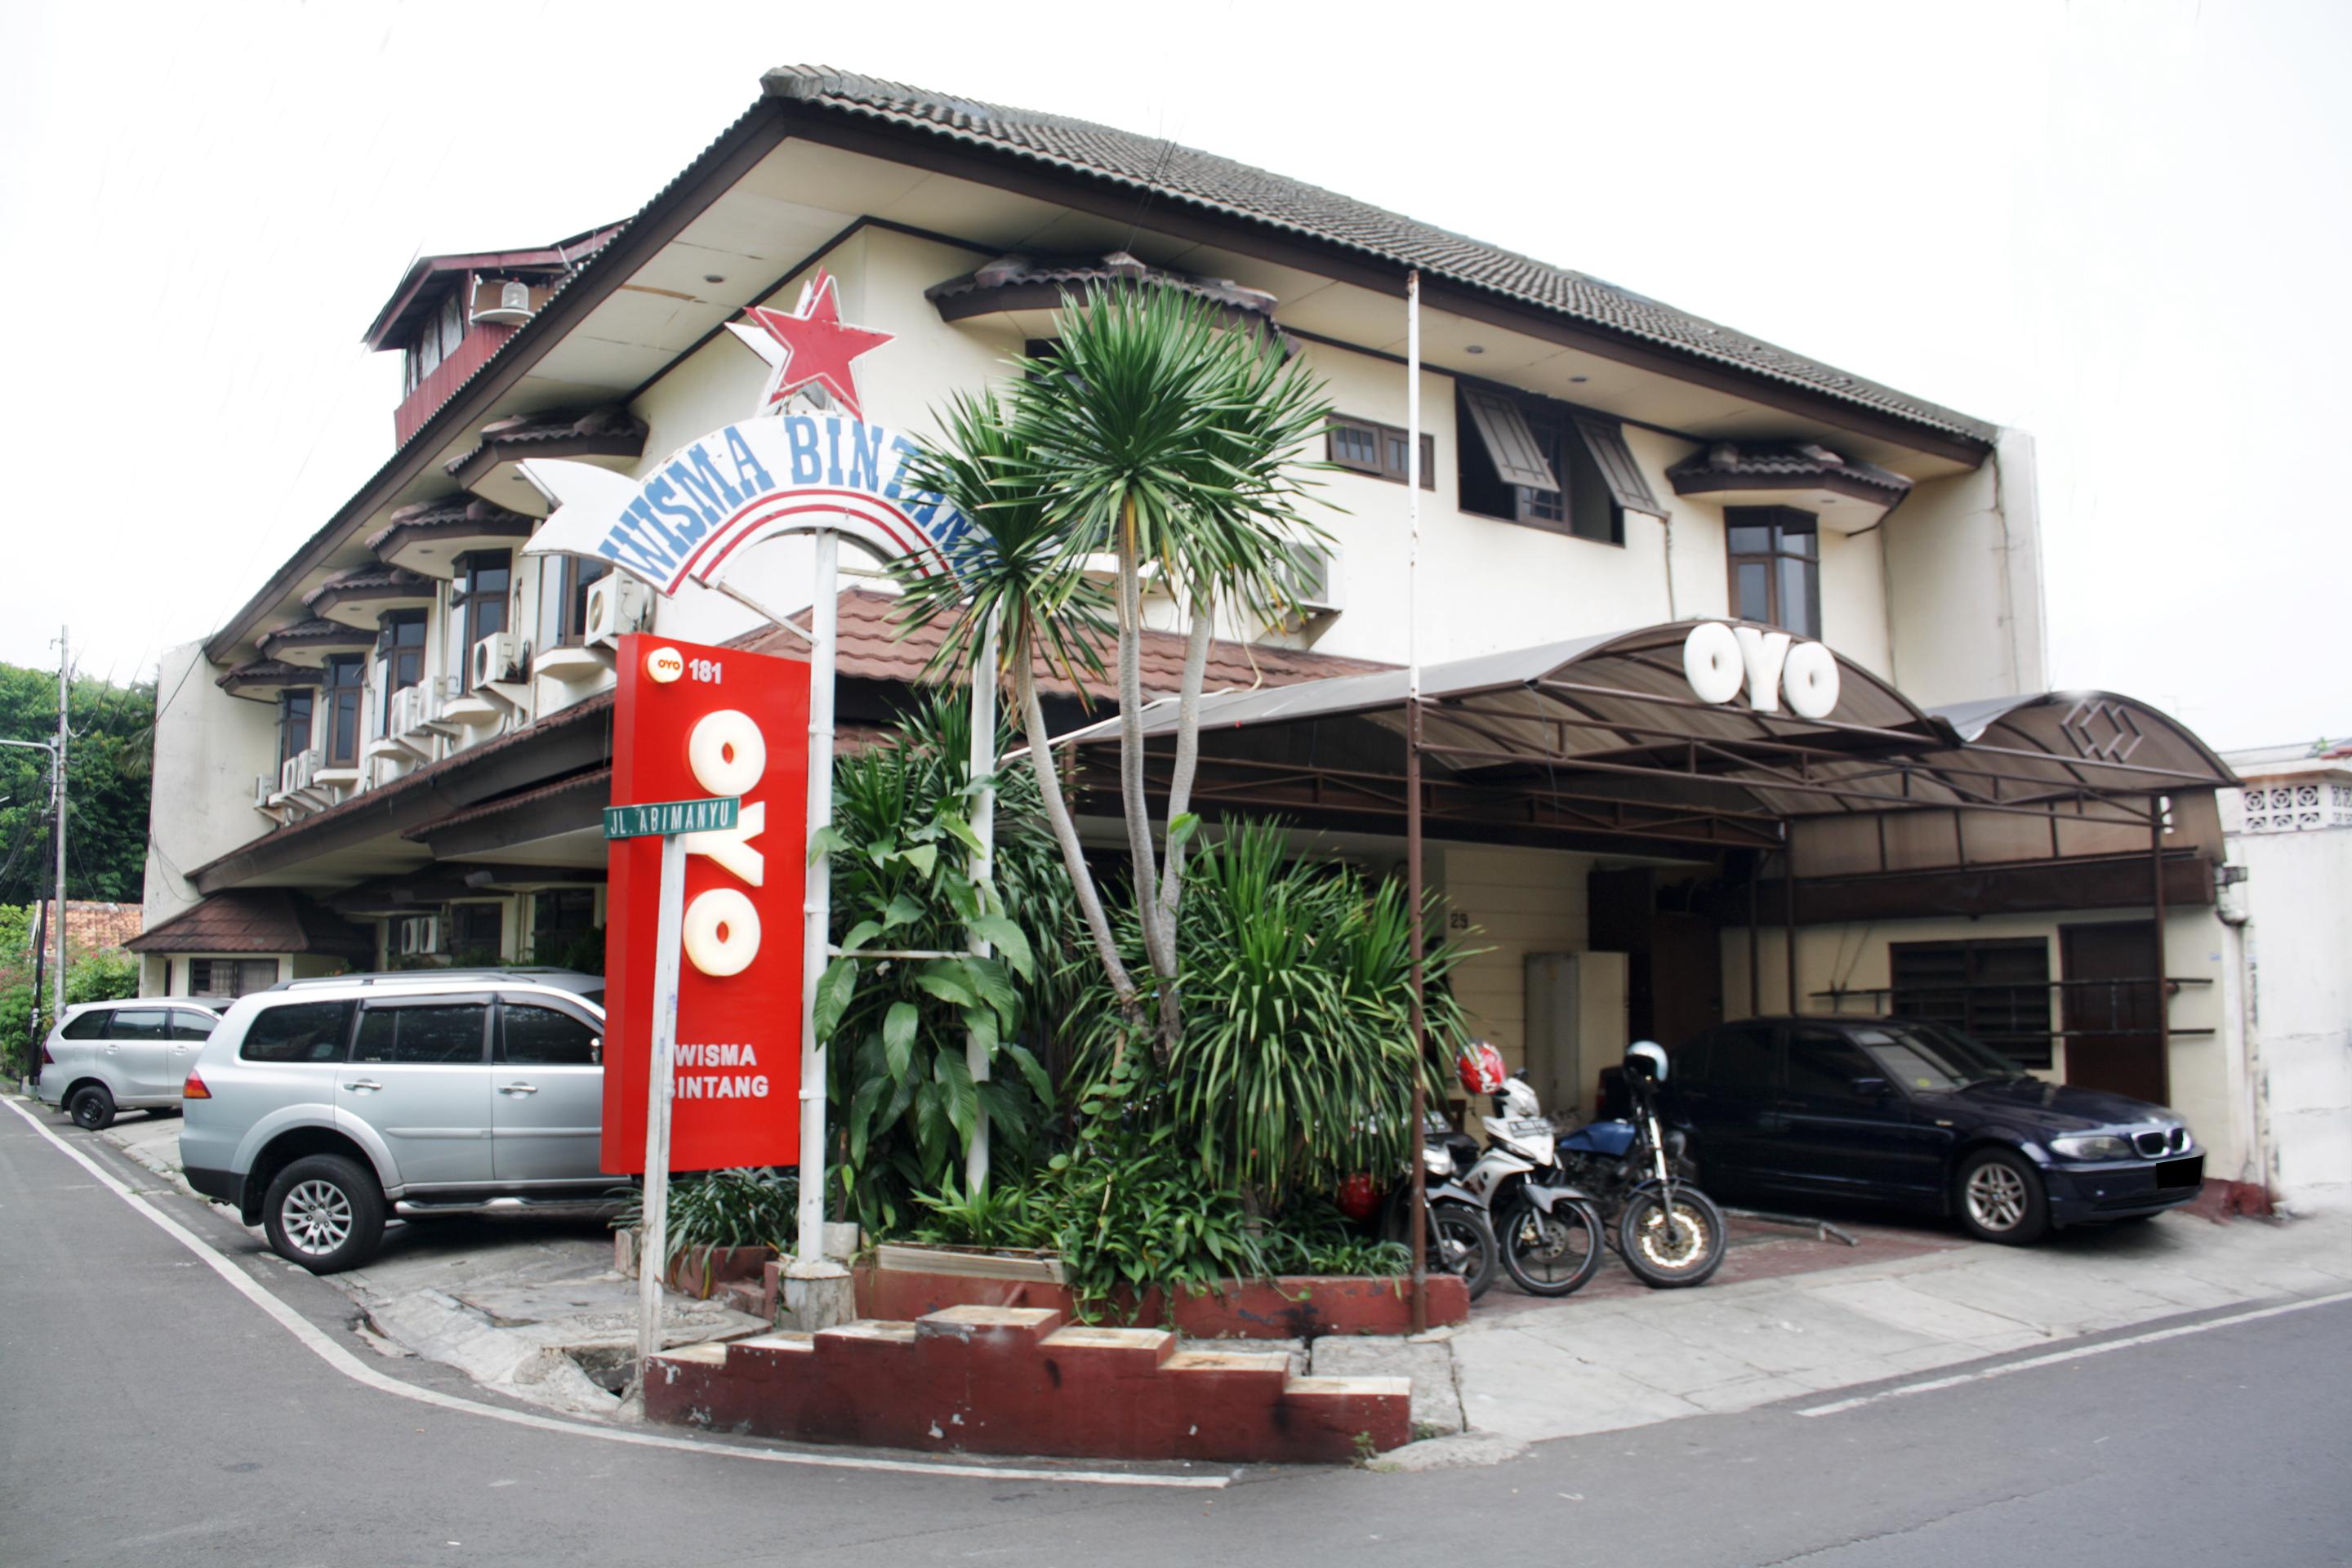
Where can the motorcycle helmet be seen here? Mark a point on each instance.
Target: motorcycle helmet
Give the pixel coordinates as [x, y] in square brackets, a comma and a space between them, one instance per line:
[1480, 1068]
[1359, 1197]
[1646, 1060]
[1518, 1100]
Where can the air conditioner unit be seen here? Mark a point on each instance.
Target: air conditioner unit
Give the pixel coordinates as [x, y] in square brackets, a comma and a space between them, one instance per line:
[413, 707]
[495, 658]
[1314, 583]
[616, 606]
[264, 786]
[513, 307]
[420, 934]
[297, 770]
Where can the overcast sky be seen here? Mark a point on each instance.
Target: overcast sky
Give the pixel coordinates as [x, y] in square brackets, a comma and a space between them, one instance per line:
[2123, 226]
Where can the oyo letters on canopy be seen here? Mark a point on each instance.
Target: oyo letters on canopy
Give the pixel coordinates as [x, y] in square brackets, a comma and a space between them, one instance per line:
[1718, 660]
[695, 722]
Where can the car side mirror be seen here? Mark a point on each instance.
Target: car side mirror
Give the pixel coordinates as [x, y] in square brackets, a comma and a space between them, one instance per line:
[1871, 1087]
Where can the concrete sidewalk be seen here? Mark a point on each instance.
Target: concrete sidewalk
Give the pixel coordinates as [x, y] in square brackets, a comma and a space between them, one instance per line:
[1603, 1363]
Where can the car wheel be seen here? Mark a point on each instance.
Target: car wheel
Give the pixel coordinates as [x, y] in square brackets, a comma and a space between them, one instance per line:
[92, 1108]
[325, 1213]
[1999, 1197]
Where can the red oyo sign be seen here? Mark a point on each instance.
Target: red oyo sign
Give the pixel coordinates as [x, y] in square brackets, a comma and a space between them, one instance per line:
[692, 722]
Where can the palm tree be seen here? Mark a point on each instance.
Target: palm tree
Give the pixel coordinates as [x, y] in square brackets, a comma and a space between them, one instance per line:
[1174, 443]
[1015, 572]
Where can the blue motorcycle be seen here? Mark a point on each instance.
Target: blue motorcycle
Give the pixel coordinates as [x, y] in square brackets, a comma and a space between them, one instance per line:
[1669, 1233]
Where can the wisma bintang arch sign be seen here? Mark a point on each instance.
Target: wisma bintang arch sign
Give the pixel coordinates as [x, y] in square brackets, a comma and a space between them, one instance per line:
[824, 471]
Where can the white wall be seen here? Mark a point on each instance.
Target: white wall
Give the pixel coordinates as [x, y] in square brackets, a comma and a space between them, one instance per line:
[1964, 583]
[1519, 901]
[2298, 891]
[209, 749]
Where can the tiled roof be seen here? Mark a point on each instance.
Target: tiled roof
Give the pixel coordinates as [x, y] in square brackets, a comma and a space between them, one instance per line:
[1163, 170]
[605, 429]
[875, 645]
[458, 514]
[91, 925]
[1724, 464]
[256, 920]
[315, 633]
[264, 673]
[376, 581]
[1047, 276]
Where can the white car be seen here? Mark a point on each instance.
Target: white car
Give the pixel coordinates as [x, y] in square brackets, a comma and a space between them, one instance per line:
[105, 1057]
[322, 1107]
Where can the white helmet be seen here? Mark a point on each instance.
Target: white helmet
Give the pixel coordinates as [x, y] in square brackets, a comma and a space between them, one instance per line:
[1518, 1100]
[1646, 1058]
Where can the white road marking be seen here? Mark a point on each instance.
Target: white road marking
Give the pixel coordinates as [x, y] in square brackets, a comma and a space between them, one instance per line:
[351, 1366]
[2080, 1352]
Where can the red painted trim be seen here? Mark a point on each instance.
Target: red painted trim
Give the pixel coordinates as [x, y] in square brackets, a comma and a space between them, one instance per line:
[474, 350]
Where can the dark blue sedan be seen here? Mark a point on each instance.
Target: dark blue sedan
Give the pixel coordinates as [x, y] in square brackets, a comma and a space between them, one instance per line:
[1920, 1117]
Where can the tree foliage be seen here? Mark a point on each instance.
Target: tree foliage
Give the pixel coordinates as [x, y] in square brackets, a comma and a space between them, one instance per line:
[108, 754]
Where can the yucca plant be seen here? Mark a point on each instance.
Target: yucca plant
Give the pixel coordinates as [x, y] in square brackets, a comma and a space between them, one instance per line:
[721, 1209]
[1296, 1070]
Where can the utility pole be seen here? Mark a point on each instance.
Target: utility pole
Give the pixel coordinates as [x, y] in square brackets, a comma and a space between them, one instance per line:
[57, 775]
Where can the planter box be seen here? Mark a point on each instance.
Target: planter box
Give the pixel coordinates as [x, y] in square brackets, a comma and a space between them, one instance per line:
[701, 1272]
[1019, 1264]
[1295, 1307]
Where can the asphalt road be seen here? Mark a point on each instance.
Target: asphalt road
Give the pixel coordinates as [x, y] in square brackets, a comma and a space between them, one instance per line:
[151, 1413]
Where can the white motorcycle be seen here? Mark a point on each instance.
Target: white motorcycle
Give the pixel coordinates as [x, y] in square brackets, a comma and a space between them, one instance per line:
[1548, 1232]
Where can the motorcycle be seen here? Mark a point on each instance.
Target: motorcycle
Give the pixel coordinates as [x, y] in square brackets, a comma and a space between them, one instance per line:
[1670, 1234]
[1548, 1234]
[1458, 1239]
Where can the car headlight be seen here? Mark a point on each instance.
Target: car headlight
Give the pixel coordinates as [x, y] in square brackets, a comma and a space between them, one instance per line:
[2091, 1146]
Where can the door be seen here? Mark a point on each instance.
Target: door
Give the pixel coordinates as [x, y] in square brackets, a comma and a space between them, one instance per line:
[138, 1053]
[1725, 1091]
[1842, 1140]
[420, 1075]
[547, 1093]
[2111, 1023]
[189, 1030]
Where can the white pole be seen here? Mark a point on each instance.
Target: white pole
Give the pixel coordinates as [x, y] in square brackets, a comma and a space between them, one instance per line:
[983, 869]
[653, 1237]
[825, 617]
[1412, 485]
[65, 666]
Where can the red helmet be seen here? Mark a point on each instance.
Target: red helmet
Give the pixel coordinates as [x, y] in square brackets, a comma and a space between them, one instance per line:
[1359, 1198]
[1480, 1068]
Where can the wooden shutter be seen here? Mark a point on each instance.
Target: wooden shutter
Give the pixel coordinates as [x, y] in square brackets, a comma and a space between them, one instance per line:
[1518, 457]
[1605, 440]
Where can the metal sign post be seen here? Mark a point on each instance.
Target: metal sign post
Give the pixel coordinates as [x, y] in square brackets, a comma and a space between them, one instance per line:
[671, 820]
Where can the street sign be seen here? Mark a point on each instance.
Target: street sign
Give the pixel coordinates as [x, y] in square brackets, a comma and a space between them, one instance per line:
[656, 818]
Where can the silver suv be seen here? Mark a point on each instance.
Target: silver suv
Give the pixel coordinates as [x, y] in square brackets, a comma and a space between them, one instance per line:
[105, 1057]
[320, 1107]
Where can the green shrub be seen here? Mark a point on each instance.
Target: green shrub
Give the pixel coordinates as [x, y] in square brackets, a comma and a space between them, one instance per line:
[742, 1207]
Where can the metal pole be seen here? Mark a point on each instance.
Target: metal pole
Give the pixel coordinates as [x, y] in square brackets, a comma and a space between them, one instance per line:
[1418, 1207]
[1788, 920]
[65, 666]
[983, 869]
[825, 617]
[2156, 874]
[653, 1236]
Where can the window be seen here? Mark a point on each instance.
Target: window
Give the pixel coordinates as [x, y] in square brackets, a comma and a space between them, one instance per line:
[1377, 449]
[476, 932]
[188, 1026]
[297, 1032]
[139, 1024]
[345, 674]
[1996, 991]
[230, 976]
[561, 914]
[1776, 572]
[89, 1026]
[399, 643]
[1822, 1066]
[437, 1034]
[294, 723]
[483, 578]
[542, 1036]
[1532, 464]
[563, 598]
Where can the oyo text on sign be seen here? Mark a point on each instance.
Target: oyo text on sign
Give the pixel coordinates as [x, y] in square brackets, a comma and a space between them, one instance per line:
[1719, 659]
[694, 728]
